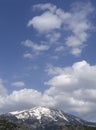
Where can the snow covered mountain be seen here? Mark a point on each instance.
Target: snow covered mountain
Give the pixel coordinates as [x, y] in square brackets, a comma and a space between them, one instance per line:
[43, 118]
[39, 113]
[45, 115]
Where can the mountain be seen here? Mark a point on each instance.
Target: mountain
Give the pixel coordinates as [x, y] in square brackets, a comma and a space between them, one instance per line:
[43, 118]
[47, 115]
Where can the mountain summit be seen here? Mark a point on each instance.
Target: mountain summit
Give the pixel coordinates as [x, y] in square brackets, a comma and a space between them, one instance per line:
[43, 118]
[39, 113]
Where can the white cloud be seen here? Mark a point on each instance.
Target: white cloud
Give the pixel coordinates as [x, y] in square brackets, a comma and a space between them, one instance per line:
[40, 47]
[79, 24]
[65, 81]
[18, 84]
[74, 88]
[73, 41]
[60, 48]
[35, 49]
[24, 99]
[18, 100]
[46, 6]
[54, 37]
[28, 55]
[46, 22]
[71, 88]
[34, 46]
[80, 71]
[51, 70]
[54, 22]
[76, 51]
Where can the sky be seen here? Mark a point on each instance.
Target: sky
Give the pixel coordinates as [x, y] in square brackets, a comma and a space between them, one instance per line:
[48, 55]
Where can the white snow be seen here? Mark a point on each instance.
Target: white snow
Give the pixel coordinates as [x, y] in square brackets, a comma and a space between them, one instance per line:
[17, 112]
[38, 112]
[62, 116]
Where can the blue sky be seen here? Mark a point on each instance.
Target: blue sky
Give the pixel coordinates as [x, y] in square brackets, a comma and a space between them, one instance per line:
[47, 55]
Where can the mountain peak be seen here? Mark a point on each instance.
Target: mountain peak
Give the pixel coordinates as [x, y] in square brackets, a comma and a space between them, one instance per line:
[43, 115]
[39, 112]
[44, 118]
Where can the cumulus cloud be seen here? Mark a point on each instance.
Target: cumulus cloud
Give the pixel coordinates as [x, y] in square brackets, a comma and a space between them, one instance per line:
[81, 73]
[18, 84]
[46, 22]
[64, 81]
[18, 100]
[54, 22]
[72, 89]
